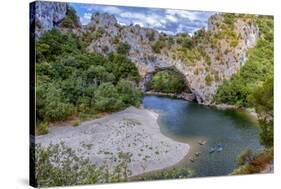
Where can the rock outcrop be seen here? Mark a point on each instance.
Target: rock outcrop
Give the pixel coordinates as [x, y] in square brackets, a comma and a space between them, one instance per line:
[48, 15]
[216, 56]
[225, 59]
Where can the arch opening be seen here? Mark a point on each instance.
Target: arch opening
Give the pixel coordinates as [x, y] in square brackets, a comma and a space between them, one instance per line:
[168, 82]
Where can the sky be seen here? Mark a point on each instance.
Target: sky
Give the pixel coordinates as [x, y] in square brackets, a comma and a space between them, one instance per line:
[169, 21]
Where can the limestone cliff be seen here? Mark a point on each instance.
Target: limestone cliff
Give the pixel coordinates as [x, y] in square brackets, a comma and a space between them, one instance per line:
[217, 53]
[206, 59]
[48, 15]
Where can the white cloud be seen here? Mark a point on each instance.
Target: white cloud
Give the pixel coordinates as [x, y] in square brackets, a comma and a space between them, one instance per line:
[108, 9]
[143, 19]
[112, 10]
[87, 15]
[168, 21]
[85, 19]
[132, 15]
[183, 13]
[172, 18]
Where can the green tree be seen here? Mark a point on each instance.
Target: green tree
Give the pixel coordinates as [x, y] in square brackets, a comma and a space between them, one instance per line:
[262, 100]
[122, 68]
[107, 98]
[129, 93]
[51, 105]
[71, 20]
[167, 81]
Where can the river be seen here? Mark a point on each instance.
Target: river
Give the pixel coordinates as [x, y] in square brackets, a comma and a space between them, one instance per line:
[228, 132]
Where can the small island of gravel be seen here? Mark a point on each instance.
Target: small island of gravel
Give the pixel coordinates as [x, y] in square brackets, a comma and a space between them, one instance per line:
[132, 131]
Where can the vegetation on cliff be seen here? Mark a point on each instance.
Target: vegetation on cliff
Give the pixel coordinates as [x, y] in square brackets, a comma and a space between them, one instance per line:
[252, 86]
[71, 81]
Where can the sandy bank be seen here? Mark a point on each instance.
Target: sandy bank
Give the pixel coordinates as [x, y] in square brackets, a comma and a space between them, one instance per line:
[133, 131]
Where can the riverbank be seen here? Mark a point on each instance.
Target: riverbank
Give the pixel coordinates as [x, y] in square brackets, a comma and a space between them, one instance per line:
[184, 96]
[133, 132]
[249, 111]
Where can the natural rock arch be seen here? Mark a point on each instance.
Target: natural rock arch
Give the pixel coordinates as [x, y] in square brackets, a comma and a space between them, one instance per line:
[186, 94]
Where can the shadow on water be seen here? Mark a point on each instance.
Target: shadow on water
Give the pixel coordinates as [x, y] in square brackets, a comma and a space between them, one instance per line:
[227, 131]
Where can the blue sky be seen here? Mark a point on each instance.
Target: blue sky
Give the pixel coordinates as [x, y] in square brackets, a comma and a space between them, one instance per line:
[164, 20]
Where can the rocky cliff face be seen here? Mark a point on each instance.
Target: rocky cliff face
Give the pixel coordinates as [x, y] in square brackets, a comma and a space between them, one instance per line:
[48, 15]
[225, 55]
[216, 53]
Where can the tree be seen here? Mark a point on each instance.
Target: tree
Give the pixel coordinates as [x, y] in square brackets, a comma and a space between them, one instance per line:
[167, 81]
[128, 93]
[107, 98]
[262, 101]
[122, 68]
[71, 20]
[98, 74]
[51, 105]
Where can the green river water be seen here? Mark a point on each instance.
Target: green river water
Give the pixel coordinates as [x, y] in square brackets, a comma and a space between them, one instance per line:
[230, 130]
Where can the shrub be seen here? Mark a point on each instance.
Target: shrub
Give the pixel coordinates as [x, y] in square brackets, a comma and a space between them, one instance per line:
[245, 157]
[123, 48]
[174, 173]
[52, 106]
[71, 20]
[187, 43]
[256, 164]
[73, 169]
[76, 123]
[229, 18]
[157, 46]
[208, 79]
[116, 40]
[234, 42]
[42, 128]
[150, 36]
[99, 33]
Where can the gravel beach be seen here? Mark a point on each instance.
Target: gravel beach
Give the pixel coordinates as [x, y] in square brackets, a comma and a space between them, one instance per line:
[132, 131]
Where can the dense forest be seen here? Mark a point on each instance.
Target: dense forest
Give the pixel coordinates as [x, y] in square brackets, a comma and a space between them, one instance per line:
[71, 81]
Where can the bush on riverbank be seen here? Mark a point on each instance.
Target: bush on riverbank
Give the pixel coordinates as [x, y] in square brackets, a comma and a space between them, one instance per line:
[58, 165]
[254, 163]
[174, 173]
[42, 128]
